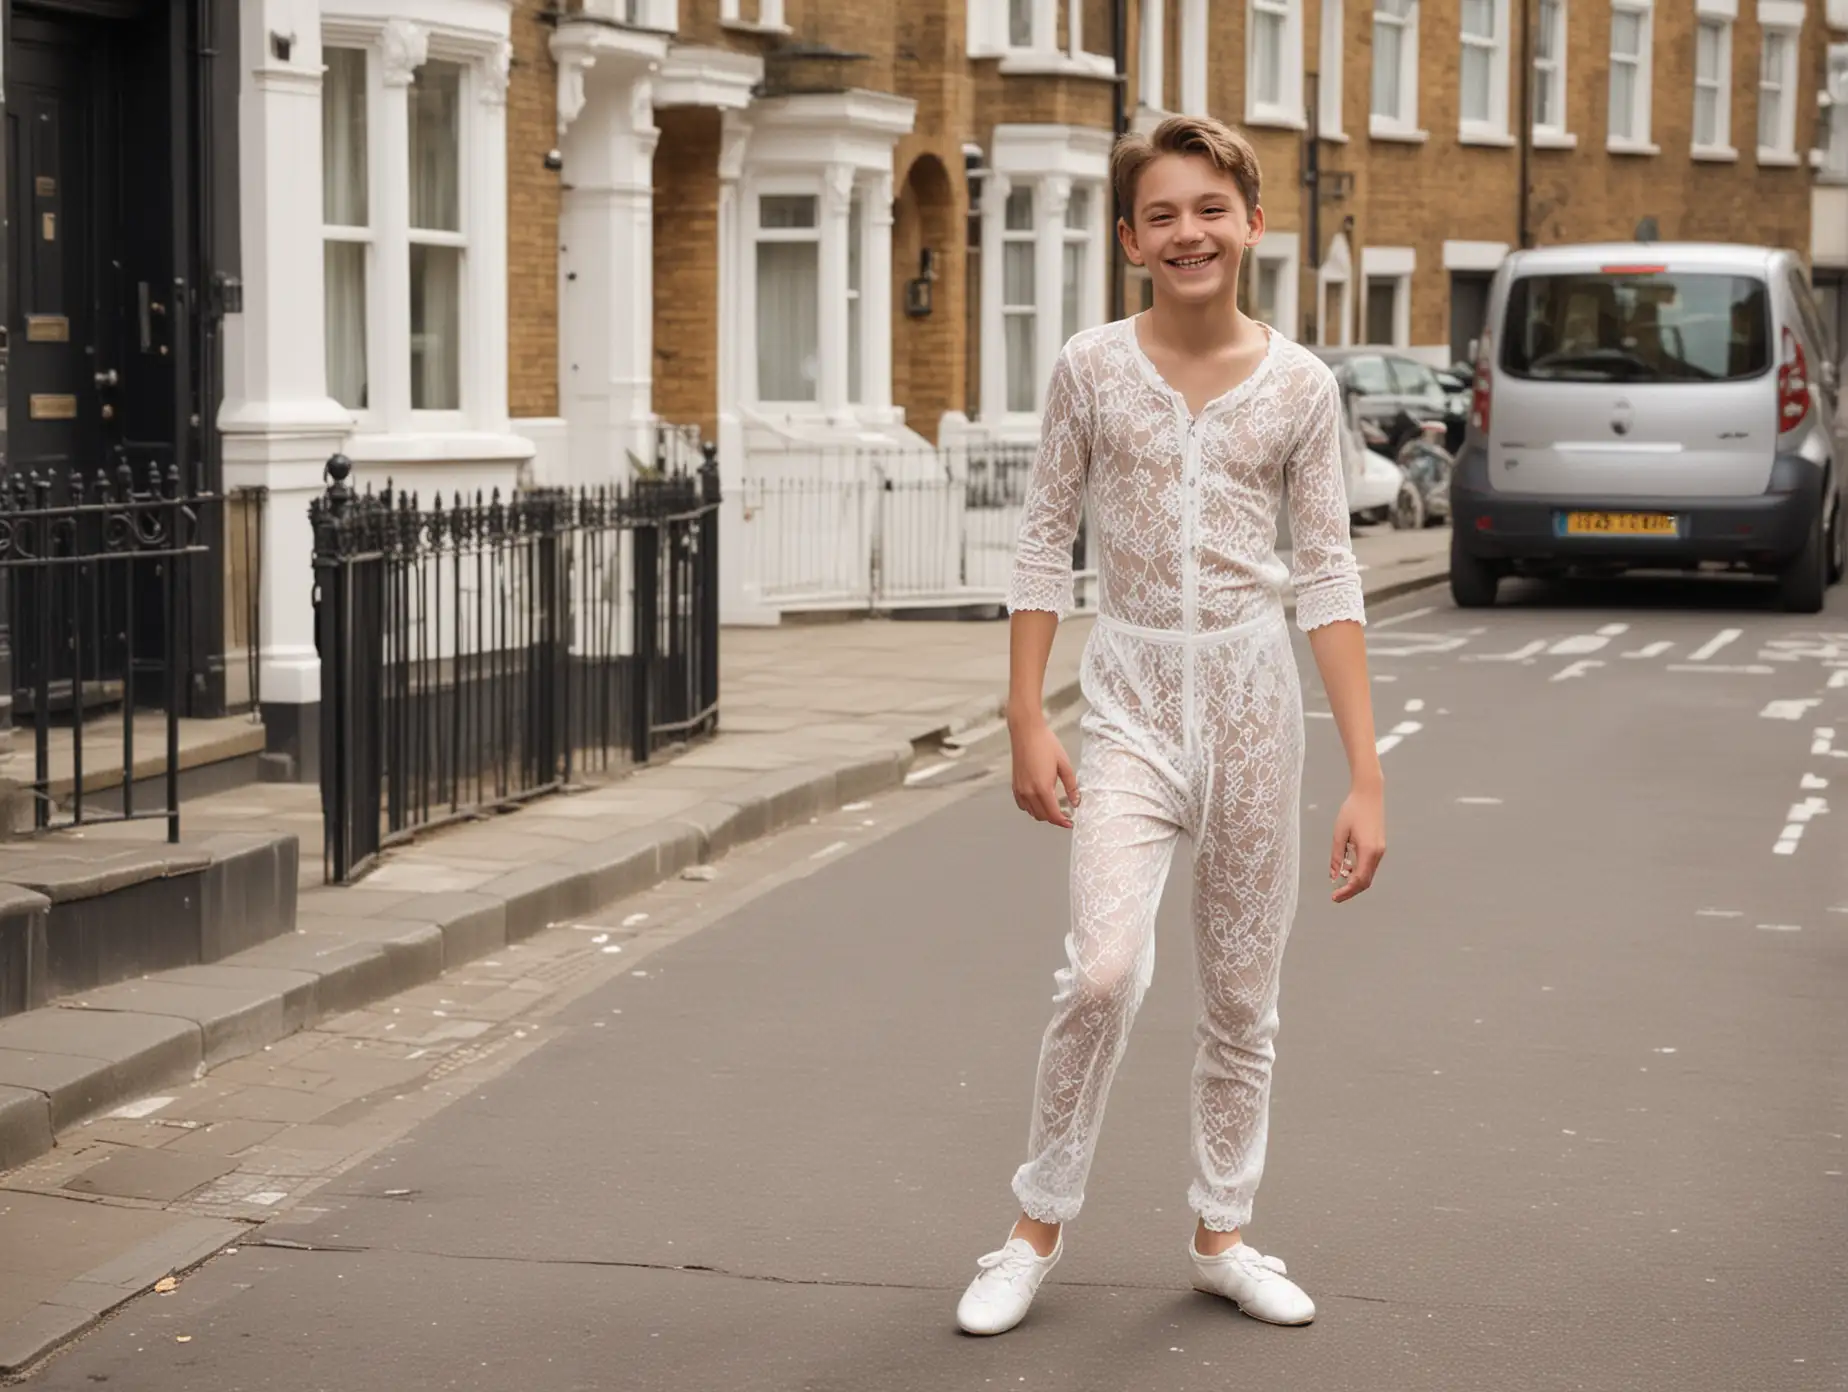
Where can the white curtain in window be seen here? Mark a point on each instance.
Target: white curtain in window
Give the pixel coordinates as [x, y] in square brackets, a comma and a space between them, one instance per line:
[436, 328]
[1388, 60]
[436, 164]
[788, 320]
[345, 271]
[1549, 108]
[343, 138]
[1709, 44]
[1771, 95]
[1626, 57]
[1268, 19]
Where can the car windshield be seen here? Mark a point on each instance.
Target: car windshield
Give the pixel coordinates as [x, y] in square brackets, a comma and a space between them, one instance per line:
[1637, 325]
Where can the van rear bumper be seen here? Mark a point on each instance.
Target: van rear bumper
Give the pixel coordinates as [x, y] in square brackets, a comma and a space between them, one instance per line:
[1764, 531]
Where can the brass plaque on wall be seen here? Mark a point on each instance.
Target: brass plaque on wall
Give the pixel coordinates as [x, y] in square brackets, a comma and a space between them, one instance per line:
[47, 328]
[46, 186]
[54, 407]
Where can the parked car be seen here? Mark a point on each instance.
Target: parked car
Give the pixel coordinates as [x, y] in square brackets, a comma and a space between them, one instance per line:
[1662, 405]
[1425, 466]
[1372, 479]
[1382, 382]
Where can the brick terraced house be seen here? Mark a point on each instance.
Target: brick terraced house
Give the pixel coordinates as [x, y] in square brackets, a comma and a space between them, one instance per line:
[498, 243]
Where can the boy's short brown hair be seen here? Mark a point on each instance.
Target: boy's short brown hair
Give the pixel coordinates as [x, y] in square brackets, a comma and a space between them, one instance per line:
[1221, 146]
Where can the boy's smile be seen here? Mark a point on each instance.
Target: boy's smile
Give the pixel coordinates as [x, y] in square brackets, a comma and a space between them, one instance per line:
[1191, 228]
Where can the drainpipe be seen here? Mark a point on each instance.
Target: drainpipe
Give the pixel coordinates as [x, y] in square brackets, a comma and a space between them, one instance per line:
[1119, 120]
[1524, 120]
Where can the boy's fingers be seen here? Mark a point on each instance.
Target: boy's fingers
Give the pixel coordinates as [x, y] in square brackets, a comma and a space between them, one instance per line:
[1069, 777]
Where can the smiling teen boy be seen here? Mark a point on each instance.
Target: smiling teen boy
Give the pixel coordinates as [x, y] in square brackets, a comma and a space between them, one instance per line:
[1183, 428]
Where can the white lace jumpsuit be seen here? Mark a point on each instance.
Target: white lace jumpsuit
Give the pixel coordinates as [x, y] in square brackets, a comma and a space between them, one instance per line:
[1195, 725]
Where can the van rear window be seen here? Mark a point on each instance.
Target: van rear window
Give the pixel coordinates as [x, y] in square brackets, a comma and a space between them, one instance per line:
[1637, 325]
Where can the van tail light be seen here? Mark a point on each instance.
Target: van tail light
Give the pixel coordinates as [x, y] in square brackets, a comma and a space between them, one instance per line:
[1793, 393]
[1481, 390]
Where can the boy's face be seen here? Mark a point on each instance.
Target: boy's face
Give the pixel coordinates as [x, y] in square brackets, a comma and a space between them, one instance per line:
[1191, 229]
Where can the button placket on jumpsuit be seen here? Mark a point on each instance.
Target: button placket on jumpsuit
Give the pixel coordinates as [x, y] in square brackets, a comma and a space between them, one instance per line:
[1194, 725]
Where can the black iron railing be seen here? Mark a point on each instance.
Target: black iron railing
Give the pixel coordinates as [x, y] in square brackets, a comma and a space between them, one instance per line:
[476, 654]
[100, 572]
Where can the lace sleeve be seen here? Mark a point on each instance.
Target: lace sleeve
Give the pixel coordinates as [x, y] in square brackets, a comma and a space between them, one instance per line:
[1323, 570]
[1042, 575]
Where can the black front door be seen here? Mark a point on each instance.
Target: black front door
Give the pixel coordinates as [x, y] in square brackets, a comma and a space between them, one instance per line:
[95, 354]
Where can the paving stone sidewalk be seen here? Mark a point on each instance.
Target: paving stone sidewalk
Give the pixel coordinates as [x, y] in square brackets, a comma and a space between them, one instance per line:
[814, 716]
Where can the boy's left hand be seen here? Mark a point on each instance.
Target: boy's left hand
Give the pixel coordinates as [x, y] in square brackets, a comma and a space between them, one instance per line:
[1360, 842]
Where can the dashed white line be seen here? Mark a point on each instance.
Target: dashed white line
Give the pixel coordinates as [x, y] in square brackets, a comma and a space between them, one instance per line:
[1575, 670]
[1796, 819]
[1651, 649]
[1521, 654]
[829, 850]
[1755, 669]
[1392, 738]
[1480, 801]
[1780, 928]
[1715, 643]
[1837, 680]
[1406, 617]
[1719, 913]
[1414, 705]
[1789, 710]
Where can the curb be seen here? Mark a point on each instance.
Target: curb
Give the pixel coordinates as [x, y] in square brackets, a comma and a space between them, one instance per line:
[162, 1029]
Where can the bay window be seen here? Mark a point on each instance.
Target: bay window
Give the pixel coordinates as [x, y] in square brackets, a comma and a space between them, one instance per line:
[1019, 302]
[788, 297]
[413, 216]
[1045, 214]
[346, 227]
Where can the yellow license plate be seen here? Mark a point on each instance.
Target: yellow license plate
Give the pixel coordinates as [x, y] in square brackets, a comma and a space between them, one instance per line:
[1620, 524]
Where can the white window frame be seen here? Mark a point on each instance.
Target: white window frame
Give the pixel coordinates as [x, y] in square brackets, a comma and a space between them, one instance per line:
[1046, 54]
[1398, 265]
[1337, 269]
[1639, 141]
[1401, 125]
[1721, 16]
[1286, 112]
[662, 16]
[1554, 134]
[785, 186]
[1195, 94]
[1054, 162]
[1027, 236]
[1152, 75]
[389, 429]
[763, 17]
[1083, 235]
[1328, 82]
[356, 235]
[1493, 128]
[836, 147]
[1783, 18]
[1284, 251]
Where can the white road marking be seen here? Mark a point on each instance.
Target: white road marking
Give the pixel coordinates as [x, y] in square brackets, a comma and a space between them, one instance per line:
[1789, 710]
[1414, 705]
[1480, 801]
[634, 919]
[1521, 654]
[1780, 928]
[1719, 913]
[924, 775]
[1756, 669]
[1414, 644]
[1406, 617]
[1320, 715]
[1823, 746]
[1575, 670]
[1651, 649]
[1813, 784]
[1714, 644]
[1838, 680]
[855, 806]
[1799, 816]
[1580, 643]
[829, 850]
[1394, 737]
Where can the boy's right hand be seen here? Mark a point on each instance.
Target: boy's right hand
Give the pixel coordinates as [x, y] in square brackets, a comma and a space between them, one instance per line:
[1040, 770]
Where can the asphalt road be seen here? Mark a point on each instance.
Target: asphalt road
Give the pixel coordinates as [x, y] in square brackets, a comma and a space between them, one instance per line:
[1559, 1105]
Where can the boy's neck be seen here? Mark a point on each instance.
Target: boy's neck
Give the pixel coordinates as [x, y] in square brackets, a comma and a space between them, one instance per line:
[1204, 329]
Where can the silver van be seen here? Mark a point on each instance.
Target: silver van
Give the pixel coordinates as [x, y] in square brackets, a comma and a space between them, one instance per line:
[1651, 406]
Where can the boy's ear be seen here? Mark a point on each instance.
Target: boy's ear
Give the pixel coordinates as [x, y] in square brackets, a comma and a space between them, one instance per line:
[1126, 237]
[1255, 227]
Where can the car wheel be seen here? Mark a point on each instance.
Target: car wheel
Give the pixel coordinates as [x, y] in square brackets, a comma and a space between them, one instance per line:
[1804, 583]
[1473, 581]
[1408, 509]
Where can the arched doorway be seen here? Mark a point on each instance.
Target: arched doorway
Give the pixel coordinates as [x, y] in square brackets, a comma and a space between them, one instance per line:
[1335, 294]
[927, 347]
